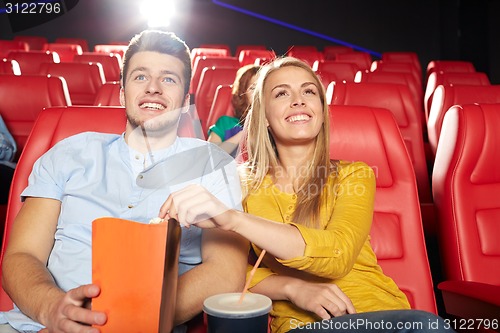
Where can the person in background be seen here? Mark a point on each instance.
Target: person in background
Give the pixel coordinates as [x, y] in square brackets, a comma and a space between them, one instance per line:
[47, 264]
[226, 132]
[311, 215]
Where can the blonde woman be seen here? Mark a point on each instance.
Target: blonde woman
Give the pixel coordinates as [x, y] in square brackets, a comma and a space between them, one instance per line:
[312, 215]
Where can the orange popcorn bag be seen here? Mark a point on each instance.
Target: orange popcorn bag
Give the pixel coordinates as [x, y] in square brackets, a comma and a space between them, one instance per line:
[136, 266]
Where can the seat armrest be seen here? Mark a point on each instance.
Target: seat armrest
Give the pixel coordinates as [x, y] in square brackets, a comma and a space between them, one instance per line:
[466, 299]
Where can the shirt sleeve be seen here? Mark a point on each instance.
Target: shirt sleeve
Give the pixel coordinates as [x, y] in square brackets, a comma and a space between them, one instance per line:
[331, 252]
[222, 125]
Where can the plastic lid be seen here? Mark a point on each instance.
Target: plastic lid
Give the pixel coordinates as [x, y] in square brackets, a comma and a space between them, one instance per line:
[228, 305]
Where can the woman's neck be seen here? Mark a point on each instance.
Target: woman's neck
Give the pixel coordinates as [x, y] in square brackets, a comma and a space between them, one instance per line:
[293, 167]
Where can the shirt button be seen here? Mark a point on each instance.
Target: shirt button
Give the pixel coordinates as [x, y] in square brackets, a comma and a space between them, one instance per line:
[130, 206]
[337, 252]
[141, 177]
[287, 218]
[294, 196]
[137, 157]
[290, 207]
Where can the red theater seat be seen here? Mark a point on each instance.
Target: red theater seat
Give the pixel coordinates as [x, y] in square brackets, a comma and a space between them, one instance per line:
[9, 66]
[34, 42]
[111, 63]
[23, 98]
[445, 97]
[12, 45]
[221, 105]
[210, 79]
[392, 66]
[359, 133]
[361, 59]
[404, 57]
[111, 48]
[202, 62]
[209, 52]
[308, 56]
[466, 188]
[396, 98]
[108, 94]
[451, 78]
[330, 51]
[30, 61]
[247, 57]
[83, 79]
[79, 41]
[65, 51]
[343, 71]
[450, 66]
[217, 46]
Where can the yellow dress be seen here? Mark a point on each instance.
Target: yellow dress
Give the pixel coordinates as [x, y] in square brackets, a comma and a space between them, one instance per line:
[340, 251]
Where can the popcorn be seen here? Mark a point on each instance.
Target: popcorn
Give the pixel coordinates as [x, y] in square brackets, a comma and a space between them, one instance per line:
[156, 220]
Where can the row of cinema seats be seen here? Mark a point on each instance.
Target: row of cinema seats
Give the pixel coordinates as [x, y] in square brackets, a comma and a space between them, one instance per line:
[465, 188]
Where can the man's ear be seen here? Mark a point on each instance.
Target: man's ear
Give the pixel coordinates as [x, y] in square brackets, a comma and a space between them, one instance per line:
[122, 97]
[187, 100]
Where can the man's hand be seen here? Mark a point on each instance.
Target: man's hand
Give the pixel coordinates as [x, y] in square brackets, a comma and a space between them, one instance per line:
[70, 314]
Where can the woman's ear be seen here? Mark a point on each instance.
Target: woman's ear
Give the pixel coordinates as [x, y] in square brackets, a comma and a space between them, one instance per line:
[122, 97]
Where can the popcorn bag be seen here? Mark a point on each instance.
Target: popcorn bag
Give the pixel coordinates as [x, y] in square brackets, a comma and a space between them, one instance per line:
[136, 266]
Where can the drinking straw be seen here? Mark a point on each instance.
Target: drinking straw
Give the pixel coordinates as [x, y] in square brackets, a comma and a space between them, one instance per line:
[250, 276]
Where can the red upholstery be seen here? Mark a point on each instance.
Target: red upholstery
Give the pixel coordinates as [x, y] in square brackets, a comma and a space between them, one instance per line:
[396, 98]
[30, 61]
[217, 46]
[360, 133]
[24, 96]
[111, 63]
[111, 48]
[202, 62]
[242, 47]
[65, 51]
[361, 59]
[330, 51]
[446, 96]
[221, 105]
[247, 57]
[34, 42]
[441, 78]
[405, 57]
[79, 41]
[210, 79]
[449, 66]
[209, 52]
[83, 79]
[308, 56]
[108, 94]
[395, 77]
[9, 66]
[343, 71]
[12, 45]
[392, 66]
[466, 188]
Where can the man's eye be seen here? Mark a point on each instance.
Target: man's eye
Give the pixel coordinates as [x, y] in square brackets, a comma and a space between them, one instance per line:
[140, 77]
[169, 80]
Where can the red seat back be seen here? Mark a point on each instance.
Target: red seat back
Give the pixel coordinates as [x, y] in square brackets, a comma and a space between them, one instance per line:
[84, 79]
[466, 188]
[30, 61]
[445, 97]
[307, 55]
[405, 57]
[12, 45]
[360, 133]
[210, 79]
[361, 59]
[34, 42]
[396, 98]
[111, 63]
[78, 41]
[221, 105]
[65, 51]
[108, 94]
[343, 71]
[249, 56]
[202, 62]
[209, 52]
[449, 66]
[111, 48]
[19, 111]
[451, 78]
[9, 66]
[330, 51]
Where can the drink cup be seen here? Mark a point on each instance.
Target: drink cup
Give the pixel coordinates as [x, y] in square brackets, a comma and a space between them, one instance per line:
[225, 313]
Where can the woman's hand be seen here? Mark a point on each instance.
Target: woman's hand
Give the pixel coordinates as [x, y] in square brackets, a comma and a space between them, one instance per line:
[324, 299]
[69, 314]
[195, 205]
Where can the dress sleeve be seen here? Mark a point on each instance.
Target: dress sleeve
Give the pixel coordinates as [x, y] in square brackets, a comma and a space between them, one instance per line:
[332, 251]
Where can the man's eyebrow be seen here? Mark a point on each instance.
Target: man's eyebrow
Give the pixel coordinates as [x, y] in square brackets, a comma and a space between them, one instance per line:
[163, 72]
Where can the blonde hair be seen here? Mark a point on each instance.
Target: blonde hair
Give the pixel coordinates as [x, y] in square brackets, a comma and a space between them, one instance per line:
[262, 155]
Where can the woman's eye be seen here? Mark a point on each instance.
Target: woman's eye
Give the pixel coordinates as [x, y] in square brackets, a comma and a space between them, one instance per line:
[280, 93]
[310, 91]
